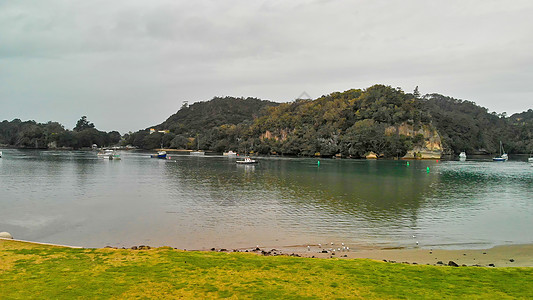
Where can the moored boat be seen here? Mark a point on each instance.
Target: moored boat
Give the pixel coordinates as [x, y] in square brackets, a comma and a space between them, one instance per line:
[160, 154]
[246, 161]
[106, 154]
[230, 154]
[198, 152]
[462, 156]
[503, 156]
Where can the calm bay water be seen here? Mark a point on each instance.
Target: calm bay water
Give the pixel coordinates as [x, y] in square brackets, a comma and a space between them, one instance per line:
[74, 198]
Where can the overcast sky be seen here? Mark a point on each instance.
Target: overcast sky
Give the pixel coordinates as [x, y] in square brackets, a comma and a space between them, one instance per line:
[129, 64]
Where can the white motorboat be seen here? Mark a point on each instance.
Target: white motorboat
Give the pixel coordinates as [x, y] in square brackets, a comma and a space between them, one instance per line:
[246, 161]
[106, 154]
[230, 154]
[462, 156]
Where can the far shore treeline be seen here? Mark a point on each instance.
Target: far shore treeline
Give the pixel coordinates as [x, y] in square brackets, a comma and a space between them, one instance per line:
[382, 120]
[30, 134]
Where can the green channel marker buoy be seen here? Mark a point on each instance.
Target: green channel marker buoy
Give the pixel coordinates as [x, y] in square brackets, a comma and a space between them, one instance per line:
[408, 163]
[318, 163]
[427, 169]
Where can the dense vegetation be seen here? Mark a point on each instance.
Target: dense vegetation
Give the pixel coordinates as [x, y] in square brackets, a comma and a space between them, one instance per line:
[379, 119]
[30, 134]
[464, 126]
[218, 125]
[351, 123]
[47, 272]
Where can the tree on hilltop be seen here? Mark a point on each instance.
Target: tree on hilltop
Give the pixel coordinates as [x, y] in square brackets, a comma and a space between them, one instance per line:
[83, 124]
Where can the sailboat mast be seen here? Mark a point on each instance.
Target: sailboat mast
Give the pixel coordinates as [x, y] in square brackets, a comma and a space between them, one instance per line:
[197, 142]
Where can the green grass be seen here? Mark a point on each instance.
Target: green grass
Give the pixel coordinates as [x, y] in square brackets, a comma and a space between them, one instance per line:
[37, 271]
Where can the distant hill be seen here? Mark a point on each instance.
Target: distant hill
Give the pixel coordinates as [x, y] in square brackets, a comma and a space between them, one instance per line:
[216, 124]
[525, 117]
[201, 116]
[465, 126]
[379, 121]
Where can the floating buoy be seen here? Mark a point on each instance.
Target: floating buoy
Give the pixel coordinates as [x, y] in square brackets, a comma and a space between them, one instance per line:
[407, 163]
[318, 163]
[427, 169]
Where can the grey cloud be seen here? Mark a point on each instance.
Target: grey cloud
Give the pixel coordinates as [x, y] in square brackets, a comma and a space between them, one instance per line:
[60, 60]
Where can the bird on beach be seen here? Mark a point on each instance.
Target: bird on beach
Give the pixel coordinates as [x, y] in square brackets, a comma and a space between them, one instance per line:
[308, 248]
[414, 236]
[331, 243]
[417, 243]
[342, 244]
[319, 245]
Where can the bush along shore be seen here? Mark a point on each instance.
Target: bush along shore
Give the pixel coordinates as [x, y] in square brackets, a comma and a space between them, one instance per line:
[29, 270]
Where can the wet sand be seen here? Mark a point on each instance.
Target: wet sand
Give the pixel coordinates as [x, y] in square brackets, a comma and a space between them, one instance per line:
[499, 256]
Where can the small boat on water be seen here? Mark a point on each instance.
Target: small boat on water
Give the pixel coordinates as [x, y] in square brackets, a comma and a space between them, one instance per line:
[106, 154]
[462, 156]
[503, 156]
[198, 152]
[230, 154]
[160, 154]
[246, 161]
[530, 158]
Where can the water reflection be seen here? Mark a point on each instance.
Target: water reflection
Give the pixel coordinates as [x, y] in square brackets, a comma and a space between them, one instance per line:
[202, 202]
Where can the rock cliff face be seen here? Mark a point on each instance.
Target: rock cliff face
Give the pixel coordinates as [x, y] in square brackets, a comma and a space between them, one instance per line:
[281, 136]
[430, 147]
[427, 141]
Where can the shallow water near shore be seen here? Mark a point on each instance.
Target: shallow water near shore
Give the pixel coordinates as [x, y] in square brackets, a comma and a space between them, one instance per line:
[74, 198]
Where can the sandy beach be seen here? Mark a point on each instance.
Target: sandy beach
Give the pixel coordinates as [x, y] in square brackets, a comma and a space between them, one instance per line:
[499, 256]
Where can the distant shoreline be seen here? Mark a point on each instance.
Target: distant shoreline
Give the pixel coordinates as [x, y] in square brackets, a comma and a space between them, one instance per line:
[443, 157]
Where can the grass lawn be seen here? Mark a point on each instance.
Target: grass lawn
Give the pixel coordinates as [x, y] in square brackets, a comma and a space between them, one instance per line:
[38, 271]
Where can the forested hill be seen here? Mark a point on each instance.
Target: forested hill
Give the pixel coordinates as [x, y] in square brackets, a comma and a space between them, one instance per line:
[354, 123]
[465, 126]
[200, 116]
[216, 123]
[378, 121]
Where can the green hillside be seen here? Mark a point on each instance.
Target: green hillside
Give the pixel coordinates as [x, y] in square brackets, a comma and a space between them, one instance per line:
[380, 120]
